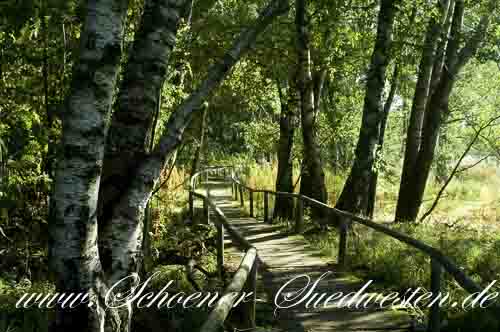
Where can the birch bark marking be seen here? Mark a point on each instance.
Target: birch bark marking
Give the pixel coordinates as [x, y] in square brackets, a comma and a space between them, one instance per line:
[355, 194]
[283, 207]
[437, 110]
[419, 104]
[312, 182]
[73, 252]
[137, 104]
[128, 213]
[372, 193]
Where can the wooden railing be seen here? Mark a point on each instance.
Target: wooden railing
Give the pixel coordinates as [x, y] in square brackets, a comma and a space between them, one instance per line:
[245, 278]
[438, 261]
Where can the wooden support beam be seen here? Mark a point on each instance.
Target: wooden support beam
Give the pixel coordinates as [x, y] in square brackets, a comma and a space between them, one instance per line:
[266, 206]
[220, 250]
[218, 315]
[343, 227]
[299, 216]
[191, 205]
[206, 212]
[242, 198]
[248, 308]
[251, 202]
[434, 314]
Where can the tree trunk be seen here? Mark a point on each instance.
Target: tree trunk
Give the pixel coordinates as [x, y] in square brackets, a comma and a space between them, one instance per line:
[355, 194]
[441, 50]
[438, 105]
[130, 136]
[128, 213]
[73, 252]
[418, 107]
[283, 207]
[312, 181]
[378, 155]
[137, 103]
[74, 255]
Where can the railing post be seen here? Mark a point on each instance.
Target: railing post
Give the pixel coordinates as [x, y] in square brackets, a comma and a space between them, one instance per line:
[248, 308]
[205, 210]
[191, 204]
[342, 241]
[236, 188]
[251, 202]
[242, 199]
[220, 249]
[299, 216]
[434, 324]
[266, 205]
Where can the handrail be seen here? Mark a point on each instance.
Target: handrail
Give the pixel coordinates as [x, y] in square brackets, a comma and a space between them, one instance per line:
[245, 278]
[226, 302]
[438, 259]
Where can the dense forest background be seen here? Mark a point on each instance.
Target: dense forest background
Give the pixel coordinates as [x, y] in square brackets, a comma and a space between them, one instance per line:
[386, 109]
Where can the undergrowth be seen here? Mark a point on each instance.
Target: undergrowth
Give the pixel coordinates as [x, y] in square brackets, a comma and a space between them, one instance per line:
[464, 227]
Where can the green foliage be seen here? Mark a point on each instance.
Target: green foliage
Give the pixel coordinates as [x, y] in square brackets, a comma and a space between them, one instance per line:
[243, 129]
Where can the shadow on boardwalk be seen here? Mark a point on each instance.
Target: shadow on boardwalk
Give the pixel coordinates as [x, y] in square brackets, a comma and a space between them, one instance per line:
[283, 258]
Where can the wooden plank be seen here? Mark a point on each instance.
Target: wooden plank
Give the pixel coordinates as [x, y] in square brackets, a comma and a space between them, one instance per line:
[437, 257]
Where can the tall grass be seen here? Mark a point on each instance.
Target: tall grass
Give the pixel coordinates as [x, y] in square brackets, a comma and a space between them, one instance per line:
[464, 226]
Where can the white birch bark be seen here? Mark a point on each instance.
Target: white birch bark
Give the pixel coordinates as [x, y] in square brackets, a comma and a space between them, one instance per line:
[73, 253]
[128, 214]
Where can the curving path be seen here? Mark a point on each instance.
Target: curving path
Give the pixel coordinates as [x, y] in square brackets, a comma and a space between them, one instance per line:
[284, 257]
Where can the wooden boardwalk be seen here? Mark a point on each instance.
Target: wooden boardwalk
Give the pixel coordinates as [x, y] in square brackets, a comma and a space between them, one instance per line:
[284, 257]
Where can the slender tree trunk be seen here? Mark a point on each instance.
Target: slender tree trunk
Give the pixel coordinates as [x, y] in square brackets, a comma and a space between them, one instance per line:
[457, 165]
[49, 157]
[355, 194]
[418, 107]
[283, 207]
[148, 219]
[128, 212]
[312, 183]
[378, 155]
[130, 136]
[437, 110]
[440, 55]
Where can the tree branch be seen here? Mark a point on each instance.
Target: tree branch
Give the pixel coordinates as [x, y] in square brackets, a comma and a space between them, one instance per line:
[128, 214]
[457, 165]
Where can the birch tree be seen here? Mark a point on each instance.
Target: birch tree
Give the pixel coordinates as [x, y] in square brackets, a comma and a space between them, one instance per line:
[312, 181]
[83, 260]
[413, 182]
[356, 192]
